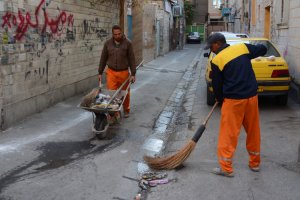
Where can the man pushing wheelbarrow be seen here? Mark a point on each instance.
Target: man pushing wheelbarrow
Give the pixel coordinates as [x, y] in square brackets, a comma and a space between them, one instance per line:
[105, 104]
[117, 55]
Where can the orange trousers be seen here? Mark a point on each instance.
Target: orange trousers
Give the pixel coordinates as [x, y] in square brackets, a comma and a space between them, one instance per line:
[234, 114]
[114, 79]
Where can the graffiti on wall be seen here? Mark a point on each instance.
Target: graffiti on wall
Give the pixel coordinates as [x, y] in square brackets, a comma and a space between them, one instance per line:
[103, 2]
[38, 75]
[22, 22]
[92, 28]
[40, 31]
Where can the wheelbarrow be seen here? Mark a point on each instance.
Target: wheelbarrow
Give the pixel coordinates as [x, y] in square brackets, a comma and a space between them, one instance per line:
[107, 112]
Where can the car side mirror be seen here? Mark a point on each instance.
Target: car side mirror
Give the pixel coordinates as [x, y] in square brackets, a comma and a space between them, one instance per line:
[206, 55]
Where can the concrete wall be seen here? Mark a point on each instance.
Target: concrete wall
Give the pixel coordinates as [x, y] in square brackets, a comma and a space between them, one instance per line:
[156, 30]
[285, 36]
[50, 56]
[137, 29]
[149, 40]
[165, 23]
[238, 12]
[290, 41]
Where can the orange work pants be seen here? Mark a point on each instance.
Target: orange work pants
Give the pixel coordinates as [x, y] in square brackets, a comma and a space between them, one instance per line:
[114, 79]
[234, 114]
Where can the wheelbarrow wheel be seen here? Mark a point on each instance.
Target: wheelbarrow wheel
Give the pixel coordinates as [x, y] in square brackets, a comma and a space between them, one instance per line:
[100, 126]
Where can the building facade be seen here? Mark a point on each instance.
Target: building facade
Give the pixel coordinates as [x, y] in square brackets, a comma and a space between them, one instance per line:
[200, 11]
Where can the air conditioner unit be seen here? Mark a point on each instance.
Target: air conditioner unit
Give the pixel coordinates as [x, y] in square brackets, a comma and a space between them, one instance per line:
[177, 11]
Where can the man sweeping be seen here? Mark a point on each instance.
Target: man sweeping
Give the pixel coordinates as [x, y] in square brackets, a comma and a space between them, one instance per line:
[118, 55]
[234, 85]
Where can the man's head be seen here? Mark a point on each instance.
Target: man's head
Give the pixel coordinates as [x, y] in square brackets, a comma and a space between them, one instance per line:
[117, 33]
[215, 41]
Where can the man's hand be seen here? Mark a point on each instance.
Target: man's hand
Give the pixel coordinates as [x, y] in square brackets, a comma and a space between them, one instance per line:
[132, 79]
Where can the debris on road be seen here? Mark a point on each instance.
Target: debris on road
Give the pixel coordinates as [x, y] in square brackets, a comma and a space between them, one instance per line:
[151, 179]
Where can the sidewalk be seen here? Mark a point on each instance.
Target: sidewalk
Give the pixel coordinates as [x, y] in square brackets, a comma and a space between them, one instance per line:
[280, 172]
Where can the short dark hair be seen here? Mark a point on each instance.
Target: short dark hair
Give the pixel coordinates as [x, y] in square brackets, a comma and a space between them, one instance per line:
[116, 27]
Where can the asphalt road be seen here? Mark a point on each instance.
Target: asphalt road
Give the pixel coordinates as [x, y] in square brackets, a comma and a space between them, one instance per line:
[55, 155]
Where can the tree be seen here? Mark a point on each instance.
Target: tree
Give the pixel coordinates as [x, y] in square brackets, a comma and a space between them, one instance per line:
[189, 10]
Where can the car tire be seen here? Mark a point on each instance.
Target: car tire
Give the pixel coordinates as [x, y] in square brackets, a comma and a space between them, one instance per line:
[210, 97]
[282, 100]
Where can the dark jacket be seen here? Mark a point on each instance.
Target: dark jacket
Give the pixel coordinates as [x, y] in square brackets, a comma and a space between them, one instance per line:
[118, 58]
[232, 73]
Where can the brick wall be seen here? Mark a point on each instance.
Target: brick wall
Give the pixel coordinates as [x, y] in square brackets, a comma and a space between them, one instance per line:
[49, 51]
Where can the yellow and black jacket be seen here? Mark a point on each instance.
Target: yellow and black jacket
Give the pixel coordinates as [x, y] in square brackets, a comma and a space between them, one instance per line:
[232, 73]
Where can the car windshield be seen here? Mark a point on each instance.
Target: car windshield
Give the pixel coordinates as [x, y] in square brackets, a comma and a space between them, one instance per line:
[194, 34]
[242, 35]
[271, 51]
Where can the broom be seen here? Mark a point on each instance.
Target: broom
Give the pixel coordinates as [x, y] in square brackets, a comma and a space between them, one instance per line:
[173, 161]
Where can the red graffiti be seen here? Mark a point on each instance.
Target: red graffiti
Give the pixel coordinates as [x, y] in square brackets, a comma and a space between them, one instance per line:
[6, 18]
[23, 22]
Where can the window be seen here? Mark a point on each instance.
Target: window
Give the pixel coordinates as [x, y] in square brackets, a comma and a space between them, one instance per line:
[217, 3]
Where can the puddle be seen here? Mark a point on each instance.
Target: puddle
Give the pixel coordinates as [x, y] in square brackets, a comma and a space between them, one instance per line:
[57, 154]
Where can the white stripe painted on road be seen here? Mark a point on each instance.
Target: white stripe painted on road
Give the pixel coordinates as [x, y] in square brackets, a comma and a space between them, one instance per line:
[17, 144]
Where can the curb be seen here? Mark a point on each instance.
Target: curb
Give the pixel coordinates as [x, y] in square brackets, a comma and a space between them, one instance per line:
[155, 144]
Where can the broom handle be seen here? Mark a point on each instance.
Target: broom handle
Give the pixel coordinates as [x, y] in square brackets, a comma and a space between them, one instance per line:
[209, 114]
[201, 128]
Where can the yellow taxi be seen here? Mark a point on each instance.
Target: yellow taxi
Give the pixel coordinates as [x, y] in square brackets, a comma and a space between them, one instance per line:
[271, 71]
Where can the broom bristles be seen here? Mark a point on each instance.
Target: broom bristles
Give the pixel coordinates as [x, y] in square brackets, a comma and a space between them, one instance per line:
[89, 98]
[172, 161]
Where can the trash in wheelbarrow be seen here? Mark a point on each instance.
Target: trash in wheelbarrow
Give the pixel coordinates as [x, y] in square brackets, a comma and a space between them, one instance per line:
[96, 100]
[105, 106]
[104, 101]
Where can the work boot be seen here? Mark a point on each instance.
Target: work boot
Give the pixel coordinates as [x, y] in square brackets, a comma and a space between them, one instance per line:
[219, 171]
[126, 114]
[254, 169]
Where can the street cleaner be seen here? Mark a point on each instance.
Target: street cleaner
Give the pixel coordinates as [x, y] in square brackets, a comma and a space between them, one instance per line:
[117, 55]
[235, 87]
